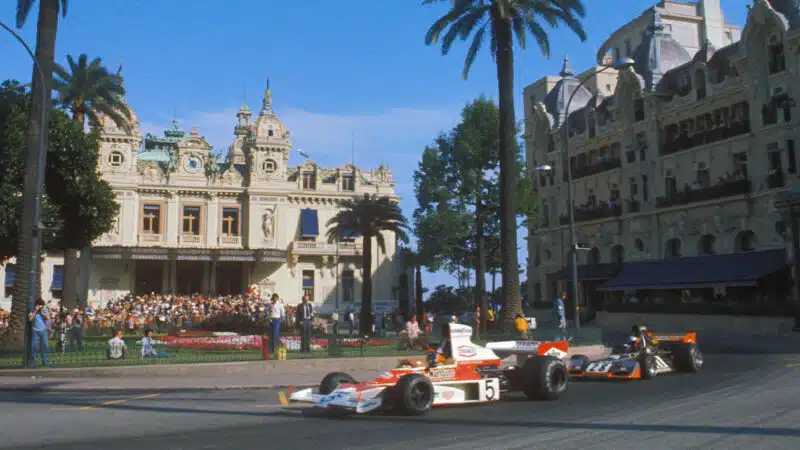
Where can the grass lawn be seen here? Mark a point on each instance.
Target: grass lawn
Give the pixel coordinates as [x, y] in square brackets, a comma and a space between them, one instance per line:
[94, 353]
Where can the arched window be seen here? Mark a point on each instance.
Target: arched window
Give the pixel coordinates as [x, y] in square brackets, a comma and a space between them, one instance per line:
[617, 254]
[638, 110]
[707, 245]
[700, 84]
[594, 256]
[777, 60]
[745, 241]
[673, 249]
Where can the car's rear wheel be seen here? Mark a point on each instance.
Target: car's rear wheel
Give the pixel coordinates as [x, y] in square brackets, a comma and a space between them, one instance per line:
[545, 378]
[688, 358]
[333, 380]
[414, 394]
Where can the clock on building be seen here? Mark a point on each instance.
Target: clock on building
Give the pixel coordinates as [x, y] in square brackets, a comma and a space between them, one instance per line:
[192, 164]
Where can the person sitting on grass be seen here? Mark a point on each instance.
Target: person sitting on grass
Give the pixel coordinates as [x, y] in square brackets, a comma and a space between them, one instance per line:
[147, 345]
[116, 347]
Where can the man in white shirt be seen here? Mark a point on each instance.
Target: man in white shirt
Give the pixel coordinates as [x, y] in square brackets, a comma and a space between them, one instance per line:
[116, 347]
[277, 312]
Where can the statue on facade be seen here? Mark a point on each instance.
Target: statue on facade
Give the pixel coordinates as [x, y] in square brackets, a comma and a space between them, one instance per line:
[269, 219]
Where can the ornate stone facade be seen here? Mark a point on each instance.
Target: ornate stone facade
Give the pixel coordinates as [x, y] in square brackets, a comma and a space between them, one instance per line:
[687, 154]
[194, 221]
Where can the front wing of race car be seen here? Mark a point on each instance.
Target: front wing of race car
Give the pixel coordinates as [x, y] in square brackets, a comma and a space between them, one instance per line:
[345, 398]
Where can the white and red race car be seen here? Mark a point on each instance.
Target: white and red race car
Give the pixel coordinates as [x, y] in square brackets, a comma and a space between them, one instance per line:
[469, 373]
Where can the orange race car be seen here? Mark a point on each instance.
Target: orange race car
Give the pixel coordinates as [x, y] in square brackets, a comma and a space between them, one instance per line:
[460, 372]
[644, 356]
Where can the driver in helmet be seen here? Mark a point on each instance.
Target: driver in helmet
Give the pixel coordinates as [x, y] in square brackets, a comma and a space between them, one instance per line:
[636, 339]
[445, 350]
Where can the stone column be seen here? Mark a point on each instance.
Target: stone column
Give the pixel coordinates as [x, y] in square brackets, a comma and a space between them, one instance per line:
[173, 276]
[132, 279]
[165, 276]
[213, 276]
[246, 275]
[206, 277]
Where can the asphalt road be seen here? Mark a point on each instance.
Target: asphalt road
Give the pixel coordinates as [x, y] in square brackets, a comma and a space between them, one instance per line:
[737, 401]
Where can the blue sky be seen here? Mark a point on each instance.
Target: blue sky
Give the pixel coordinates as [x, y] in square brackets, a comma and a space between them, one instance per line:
[338, 69]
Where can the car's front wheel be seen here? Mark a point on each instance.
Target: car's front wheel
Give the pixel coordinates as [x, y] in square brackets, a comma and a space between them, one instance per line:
[414, 394]
[333, 380]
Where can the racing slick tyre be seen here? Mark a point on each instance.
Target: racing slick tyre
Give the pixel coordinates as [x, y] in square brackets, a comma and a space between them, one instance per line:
[545, 378]
[333, 380]
[647, 366]
[688, 358]
[414, 394]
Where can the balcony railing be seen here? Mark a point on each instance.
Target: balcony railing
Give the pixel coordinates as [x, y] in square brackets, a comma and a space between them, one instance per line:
[149, 238]
[685, 142]
[710, 193]
[775, 180]
[595, 213]
[230, 241]
[326, 248]
[585, 171]
[191, 239]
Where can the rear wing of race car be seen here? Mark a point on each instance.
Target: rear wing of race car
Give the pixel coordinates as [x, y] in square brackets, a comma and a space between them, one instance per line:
[686, 338]
[504, 349]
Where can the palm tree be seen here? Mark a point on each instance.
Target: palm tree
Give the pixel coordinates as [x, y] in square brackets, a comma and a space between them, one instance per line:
[502, 21]
[46, 31]
[371, 217]
[88, 90]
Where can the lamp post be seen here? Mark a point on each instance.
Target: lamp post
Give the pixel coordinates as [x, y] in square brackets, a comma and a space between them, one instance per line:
[36, 243]
[623, 63]
[543, 169]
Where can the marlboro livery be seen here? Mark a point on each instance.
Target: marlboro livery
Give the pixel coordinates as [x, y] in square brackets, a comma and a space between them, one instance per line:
[462, 373]
[644, 356]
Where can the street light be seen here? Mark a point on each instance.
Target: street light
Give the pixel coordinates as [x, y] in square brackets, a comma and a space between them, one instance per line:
[621, 64]
[36, 242]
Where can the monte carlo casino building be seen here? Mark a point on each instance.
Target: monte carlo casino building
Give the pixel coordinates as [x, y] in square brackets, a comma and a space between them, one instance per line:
[676, 161]
[193, 222]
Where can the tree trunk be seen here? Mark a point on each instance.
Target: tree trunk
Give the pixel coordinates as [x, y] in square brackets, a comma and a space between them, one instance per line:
[365, 322]
[418, 295]
[69, 292]
[480, 267]
[40, 93]
[405, 295]
[508, 168]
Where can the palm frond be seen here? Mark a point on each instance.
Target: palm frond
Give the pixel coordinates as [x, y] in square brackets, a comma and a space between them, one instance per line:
[474, 48]
[24, 8]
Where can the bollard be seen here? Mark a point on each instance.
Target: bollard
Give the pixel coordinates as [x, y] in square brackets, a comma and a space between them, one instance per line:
[282, 353]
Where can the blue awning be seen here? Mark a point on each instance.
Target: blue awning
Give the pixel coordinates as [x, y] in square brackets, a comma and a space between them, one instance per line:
[11, 276]
[588, 272]
[348, 228]
[726, 270]
[58, 279]
[309, 223]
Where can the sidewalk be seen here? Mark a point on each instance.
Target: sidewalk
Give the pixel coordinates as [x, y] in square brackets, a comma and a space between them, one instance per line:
[194, 377]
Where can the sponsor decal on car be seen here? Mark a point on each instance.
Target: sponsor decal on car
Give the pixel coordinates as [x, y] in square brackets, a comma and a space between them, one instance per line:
[466, 351]
[442, 373]
[556, 352]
